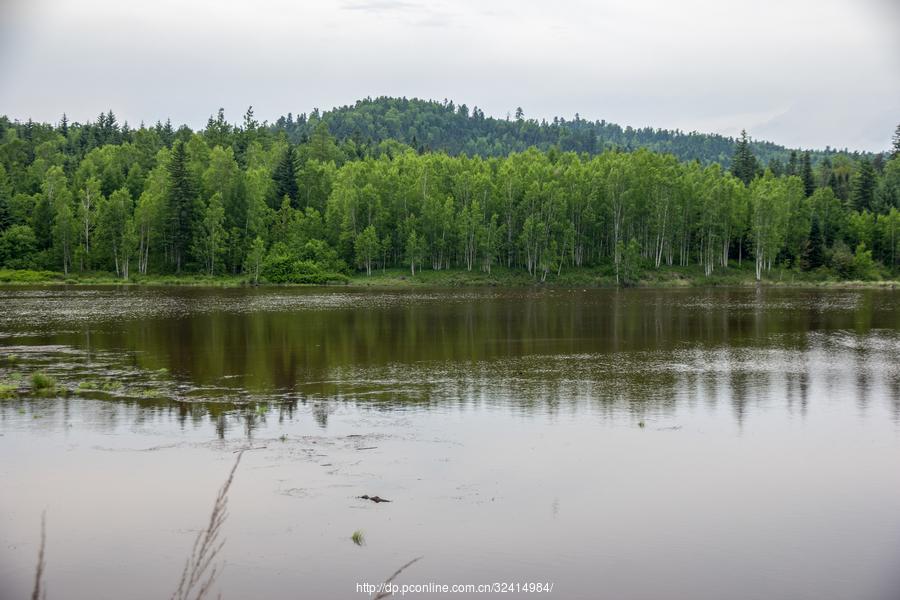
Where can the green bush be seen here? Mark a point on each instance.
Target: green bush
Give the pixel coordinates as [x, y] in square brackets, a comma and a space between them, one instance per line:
[282, 266]
[17, 246]
[842, 261]
[864, 267]
[27, 276]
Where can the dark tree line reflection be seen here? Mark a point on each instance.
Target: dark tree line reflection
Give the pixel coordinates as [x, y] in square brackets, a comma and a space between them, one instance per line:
[604, 353]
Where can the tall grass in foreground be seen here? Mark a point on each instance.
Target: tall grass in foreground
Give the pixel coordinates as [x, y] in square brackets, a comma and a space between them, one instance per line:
[39, 571]
[195, 583]
[200, 569]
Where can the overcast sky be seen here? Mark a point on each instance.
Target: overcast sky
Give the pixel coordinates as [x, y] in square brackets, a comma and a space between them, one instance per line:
[806, 73]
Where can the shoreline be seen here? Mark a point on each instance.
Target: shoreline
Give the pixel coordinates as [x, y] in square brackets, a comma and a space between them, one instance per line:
[454, 279]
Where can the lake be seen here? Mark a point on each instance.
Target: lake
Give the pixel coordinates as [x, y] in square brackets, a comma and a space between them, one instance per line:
[631, 444]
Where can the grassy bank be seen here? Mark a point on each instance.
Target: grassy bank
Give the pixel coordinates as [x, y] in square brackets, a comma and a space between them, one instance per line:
[456, 278]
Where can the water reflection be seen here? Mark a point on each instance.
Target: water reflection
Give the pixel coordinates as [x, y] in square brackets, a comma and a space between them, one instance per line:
[231, 358]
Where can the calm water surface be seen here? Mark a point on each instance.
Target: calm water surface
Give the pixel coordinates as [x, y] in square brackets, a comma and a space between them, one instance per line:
[676, 444]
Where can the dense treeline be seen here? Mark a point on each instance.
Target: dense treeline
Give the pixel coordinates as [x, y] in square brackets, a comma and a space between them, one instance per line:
[427, 125]
[244, 199]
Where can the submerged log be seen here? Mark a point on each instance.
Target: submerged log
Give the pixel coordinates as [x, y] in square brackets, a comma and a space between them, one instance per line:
[375, 499]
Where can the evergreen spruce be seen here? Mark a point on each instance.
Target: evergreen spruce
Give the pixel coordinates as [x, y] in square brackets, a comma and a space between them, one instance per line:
[816, 254]
[895, 147]
[285, 176]
[181, 205]
[744, 165]
[809, 184]
[792, 166]
[864, 186]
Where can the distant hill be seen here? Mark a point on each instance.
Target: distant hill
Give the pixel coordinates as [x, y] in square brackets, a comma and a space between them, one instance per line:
[458, 129]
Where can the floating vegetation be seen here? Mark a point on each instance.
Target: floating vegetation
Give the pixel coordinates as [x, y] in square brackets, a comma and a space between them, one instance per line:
[110, 385]
[358, 537]
[641, 424]
[7, 390]
[41, 382]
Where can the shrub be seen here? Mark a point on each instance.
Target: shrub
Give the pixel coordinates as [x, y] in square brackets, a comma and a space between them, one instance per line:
[282, 266]
[17, 246]
[864, 267]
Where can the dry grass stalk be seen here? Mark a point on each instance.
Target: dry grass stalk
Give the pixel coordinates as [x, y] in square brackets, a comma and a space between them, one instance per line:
[200, 569]
[39, 571]
[385, 593]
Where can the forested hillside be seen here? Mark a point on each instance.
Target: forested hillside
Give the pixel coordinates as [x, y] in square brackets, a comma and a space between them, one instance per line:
[427, 125]
[80, 198]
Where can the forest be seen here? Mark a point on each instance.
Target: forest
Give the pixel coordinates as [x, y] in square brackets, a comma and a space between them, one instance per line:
[427, 125]
[315, 200]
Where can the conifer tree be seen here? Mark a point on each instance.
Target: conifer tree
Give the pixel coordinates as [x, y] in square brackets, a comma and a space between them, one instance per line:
[816, 255]
[181, 205]
[744, 165]
[809, 184]
[285, 176]
[864, 186]
[895, 148]
[792, 166]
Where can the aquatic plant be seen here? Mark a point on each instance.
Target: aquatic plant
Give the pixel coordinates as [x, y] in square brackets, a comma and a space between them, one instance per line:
[358, 537]
[41, 382]
[641, 424]
[7, 390]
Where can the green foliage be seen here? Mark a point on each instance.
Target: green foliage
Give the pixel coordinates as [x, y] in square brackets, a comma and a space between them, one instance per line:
[806, 173]
[864, 268]
[373, 125]
[41, 382]
[305, 198]
[631, 263]
[28, 276]
[17, 247]
[181, 200]
[415, 250]
[863, 184]
[358, 537]
[283, 266]
[815, 249]
[285, 176]
[744, 165]
[210, 238]
[255, 258]
[895, 143]
[367, 248]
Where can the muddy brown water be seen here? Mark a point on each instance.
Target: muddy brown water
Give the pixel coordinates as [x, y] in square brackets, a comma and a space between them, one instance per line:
[638, 444]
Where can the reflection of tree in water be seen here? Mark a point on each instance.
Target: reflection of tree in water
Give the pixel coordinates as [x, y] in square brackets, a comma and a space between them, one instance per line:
[893, 387]
[548, 352]
[320, 411]
[740, 386]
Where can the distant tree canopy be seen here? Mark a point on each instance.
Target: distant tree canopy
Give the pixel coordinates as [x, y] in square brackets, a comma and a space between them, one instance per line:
[427, 125]
[295, 202]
